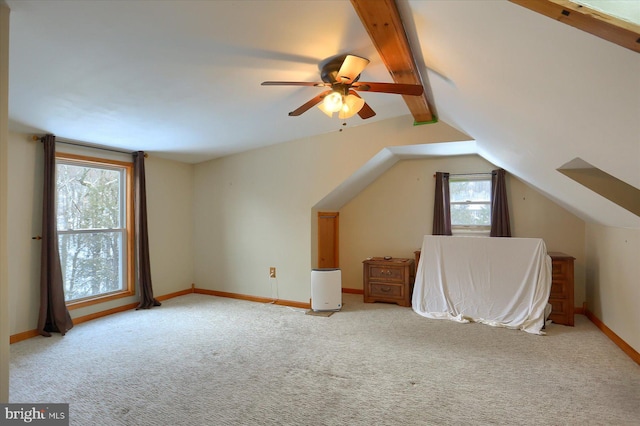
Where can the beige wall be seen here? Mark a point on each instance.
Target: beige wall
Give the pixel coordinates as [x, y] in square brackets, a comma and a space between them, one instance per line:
[169, 203]
[25, 203]
[613, 279]
[390, 216]
[4, 184]
[170, 216]
[534, 215]
[254, 210]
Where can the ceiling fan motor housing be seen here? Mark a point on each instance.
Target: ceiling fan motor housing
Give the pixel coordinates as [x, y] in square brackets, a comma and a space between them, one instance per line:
[329, 70]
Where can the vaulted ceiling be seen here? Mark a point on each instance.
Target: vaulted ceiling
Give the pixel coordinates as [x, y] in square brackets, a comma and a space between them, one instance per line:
[182, 79]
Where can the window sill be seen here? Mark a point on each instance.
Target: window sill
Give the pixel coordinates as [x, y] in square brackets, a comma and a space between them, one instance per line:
[470, 232]
[98, 299]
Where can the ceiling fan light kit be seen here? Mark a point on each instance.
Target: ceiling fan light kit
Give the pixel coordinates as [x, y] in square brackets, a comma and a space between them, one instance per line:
[345, 106]
[341, 74]
[352, 106]
[332, 102]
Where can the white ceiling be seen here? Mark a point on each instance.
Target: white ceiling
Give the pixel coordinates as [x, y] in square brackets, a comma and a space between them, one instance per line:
[182, 79]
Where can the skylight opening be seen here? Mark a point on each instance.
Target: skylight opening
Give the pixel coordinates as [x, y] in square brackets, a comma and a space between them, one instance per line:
[622, 9]
[610, 187]
[617, 21]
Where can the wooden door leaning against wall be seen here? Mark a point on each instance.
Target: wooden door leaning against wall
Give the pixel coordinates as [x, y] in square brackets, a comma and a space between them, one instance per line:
[328, 239]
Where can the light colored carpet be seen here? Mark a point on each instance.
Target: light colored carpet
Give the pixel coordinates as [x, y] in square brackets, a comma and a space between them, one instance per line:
[319, 313]
[205, 360]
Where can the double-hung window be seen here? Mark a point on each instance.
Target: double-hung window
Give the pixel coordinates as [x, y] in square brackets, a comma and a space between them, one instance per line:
[470, 198]
[94, 222]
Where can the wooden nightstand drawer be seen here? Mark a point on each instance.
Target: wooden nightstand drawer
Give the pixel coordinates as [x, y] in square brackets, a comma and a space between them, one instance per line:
[386, 290]
[388, 273]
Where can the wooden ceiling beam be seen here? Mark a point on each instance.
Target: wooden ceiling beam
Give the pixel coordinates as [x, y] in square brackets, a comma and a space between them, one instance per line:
[622, 33]
[382, 21]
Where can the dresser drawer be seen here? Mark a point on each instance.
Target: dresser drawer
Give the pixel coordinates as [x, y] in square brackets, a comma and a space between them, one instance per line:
[385, 290]
[386, 273]
[559, 269]
[559, 289]
[561, 312]
[559, 307]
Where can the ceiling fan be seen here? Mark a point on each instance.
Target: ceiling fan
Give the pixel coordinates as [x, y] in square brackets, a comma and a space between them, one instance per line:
[341, 74]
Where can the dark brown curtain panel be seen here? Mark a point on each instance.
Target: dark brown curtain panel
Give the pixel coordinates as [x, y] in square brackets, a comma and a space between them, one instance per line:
[441, 206]
[500, 226]
[54, 315]
[142, 235]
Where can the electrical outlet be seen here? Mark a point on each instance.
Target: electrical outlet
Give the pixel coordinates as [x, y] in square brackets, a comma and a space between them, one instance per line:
[272, 272]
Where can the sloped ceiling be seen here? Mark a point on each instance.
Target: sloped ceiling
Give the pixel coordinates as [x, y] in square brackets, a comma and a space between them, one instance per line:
[534, 94]
[182, 79]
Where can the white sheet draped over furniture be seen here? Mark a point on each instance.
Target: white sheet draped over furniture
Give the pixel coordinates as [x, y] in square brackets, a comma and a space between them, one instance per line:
[497, 281]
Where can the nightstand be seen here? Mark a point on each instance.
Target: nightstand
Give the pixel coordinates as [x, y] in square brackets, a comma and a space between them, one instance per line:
[388, 280]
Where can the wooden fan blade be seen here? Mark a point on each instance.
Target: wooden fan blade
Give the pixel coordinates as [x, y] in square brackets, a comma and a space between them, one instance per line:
[366, 111]
[309, 104]
[351, 68]
[294, 83]
[397, 88]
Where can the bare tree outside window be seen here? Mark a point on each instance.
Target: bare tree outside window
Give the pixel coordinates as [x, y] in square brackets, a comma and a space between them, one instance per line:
[470, 203]
[91, 220]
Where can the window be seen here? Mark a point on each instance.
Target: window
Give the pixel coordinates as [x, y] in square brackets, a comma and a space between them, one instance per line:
[470, 202]
[94, 221]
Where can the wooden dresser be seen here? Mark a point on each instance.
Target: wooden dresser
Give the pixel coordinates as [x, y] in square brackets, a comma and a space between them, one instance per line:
[388, 280]
[561, 296]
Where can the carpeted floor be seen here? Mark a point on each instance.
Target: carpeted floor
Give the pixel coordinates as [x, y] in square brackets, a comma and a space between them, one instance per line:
[204, 360]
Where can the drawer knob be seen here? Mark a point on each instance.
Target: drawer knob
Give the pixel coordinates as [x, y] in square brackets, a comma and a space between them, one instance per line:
[385, 289]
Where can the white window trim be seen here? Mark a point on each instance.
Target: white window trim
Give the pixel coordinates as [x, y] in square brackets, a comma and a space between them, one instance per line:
[471, 230]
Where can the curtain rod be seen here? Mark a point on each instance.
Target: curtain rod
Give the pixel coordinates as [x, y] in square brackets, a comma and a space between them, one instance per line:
[468, 174]
[86, 145]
